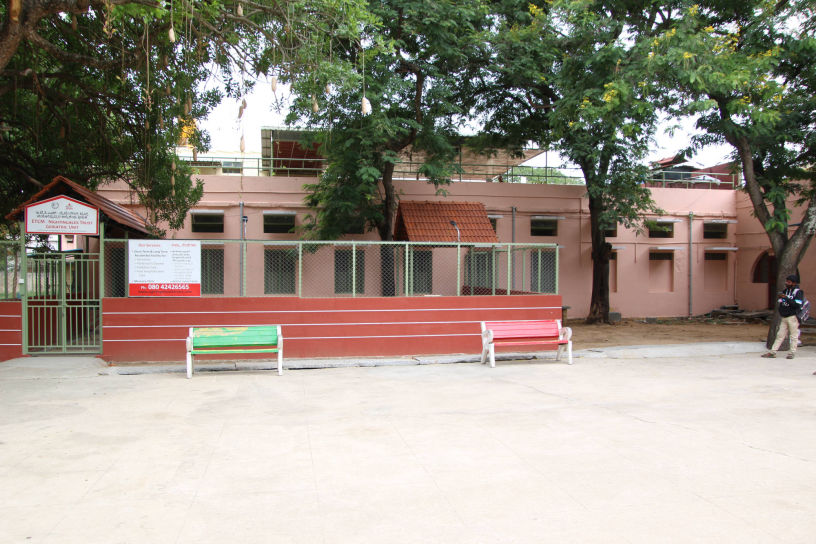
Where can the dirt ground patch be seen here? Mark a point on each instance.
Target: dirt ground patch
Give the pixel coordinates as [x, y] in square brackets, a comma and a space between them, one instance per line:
[631, 332]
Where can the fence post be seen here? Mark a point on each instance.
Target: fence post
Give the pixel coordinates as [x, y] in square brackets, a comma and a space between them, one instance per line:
[458, 269]
[300, 270]
[22, 283]
[354, 269]
[509, 268]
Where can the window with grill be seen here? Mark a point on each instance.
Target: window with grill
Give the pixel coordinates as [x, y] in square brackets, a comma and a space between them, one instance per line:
[611, 232]
[344, 263]
[212, 271]
[231, 167]
[207, 222]
[543, 227]
[422, 272]
[280, 267]
[660, 229]
[542, 271]
[479, 269]
[115, 267]
[715, 230]
[278, 223]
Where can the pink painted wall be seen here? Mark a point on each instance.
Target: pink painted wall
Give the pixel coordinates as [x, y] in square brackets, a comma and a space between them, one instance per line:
[753, 243]
[641, 287]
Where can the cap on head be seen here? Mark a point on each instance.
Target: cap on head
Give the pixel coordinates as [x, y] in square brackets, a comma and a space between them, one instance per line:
[793, 277]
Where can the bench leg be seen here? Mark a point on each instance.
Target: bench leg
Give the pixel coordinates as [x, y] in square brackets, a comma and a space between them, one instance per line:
[492, 355]
[280, 361]
[189, 365]
[569, 352]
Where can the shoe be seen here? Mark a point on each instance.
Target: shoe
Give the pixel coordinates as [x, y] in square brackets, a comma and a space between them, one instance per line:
[769, 355]
[790, 356]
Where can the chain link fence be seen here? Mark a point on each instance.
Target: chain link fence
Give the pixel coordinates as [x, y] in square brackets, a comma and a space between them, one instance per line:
[11, 270]
[234, 268]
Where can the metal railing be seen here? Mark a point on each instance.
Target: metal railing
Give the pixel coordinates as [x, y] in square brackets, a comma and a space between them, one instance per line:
[358, 269]
[463, 172]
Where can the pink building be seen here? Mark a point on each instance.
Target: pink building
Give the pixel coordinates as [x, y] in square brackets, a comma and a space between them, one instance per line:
[705, 252]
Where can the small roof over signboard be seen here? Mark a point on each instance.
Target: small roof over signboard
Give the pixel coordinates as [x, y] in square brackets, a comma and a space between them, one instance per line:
[119, 219]
[432, 222]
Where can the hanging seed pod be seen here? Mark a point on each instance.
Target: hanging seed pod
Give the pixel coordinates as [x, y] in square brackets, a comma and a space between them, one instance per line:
[62, 132]
[148, 148]
[171, 34]
[147, 125]
[328, 89]
[240, 111]
[188, 106]
[195, 154]
[173, 181]
[366, 107]
[315, 107]
[273, 82]
[161, 121]
[243, 147]
[167, 90]
[239, 10]
[173, 166]
[73, 22]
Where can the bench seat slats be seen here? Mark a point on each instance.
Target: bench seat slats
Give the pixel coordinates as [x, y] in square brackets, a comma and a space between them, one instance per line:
[221, 340]
[518, 333]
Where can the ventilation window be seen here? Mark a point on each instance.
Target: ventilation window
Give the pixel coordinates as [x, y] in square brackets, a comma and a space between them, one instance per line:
[544, 226]
[715, 230]
[660, 229]
[207, 222]
[278, 222]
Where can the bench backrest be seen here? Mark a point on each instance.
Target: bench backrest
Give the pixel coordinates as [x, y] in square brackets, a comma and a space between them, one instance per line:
[225, 337]
[524, 329]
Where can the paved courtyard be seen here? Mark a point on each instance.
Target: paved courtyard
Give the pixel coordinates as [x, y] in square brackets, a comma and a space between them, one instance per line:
[692, 447]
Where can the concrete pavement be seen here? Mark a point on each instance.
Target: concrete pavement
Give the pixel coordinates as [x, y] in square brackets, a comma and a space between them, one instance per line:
[703, 443]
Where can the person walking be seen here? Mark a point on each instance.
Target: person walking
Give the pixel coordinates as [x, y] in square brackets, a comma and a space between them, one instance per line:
[788, 304]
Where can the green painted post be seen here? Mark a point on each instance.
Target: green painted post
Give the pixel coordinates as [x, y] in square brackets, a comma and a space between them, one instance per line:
[22, 283]
[300, 270]
[458, 269]
[509, 267]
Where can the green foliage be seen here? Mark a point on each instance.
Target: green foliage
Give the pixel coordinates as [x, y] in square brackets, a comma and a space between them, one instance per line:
[416, 68]
[746, 71]
[106, 94]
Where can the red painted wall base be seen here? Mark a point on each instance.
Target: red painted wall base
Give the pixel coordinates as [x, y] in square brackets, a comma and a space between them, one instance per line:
[155, 329]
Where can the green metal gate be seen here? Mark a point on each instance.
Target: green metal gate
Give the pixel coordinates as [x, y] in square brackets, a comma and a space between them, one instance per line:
[62, 306]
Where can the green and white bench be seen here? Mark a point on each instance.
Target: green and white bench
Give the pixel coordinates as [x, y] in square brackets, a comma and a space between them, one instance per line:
[250, 339]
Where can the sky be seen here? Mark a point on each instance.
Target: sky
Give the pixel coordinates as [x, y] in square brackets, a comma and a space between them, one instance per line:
[226, 128]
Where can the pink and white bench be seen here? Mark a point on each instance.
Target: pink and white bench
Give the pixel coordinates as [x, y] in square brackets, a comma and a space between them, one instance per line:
[518, 333]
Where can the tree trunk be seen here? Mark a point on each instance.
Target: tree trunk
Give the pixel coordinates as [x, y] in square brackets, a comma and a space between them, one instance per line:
[601, 251]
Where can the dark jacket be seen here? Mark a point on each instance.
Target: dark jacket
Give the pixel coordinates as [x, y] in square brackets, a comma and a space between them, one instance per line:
[790, 301]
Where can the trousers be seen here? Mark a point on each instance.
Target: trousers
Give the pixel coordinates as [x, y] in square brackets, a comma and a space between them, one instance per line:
[787, 326]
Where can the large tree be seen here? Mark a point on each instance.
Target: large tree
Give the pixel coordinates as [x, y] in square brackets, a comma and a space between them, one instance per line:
[566, 75]
[415, 71]
[102, 91]
[746, 70]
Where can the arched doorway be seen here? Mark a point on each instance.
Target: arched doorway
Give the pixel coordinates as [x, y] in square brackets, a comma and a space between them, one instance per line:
[765, 272]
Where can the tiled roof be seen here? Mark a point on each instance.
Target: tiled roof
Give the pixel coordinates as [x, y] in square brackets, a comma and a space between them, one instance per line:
[431, 222]
[127, 219]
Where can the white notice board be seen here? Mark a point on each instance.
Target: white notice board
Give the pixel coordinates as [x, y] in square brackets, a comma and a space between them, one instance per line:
[164, 268]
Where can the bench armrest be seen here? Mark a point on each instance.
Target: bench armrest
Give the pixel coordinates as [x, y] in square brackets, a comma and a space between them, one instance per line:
[487, 336]
[565, 333]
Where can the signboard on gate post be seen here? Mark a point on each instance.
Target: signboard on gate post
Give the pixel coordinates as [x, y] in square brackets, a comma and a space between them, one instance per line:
[164, 268]
[61, 215]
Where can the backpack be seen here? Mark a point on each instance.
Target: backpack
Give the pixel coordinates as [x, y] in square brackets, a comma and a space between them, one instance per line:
[804, 311]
